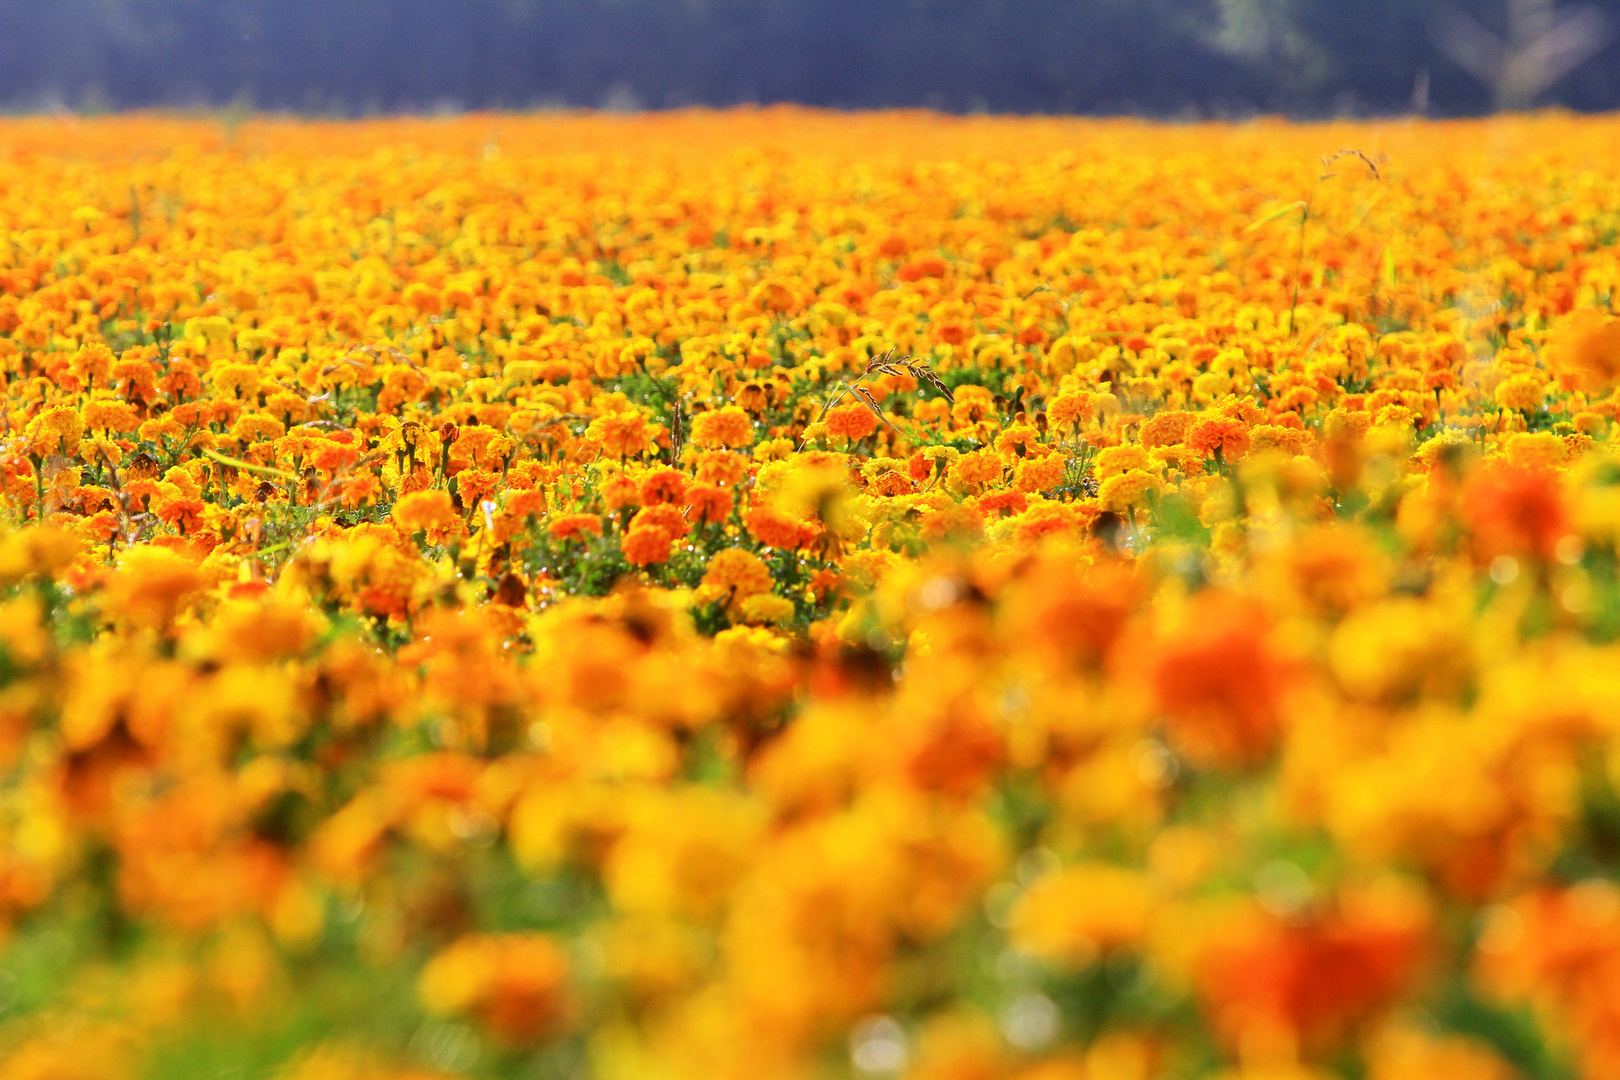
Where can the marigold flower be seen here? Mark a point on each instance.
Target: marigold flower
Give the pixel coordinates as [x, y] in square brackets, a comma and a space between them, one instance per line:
[766, 608]
[150, 586]
[721, 467]
[664, 517]
[708, 503]
[1219, 683]
[515, 984]
[728, 426]
[663, 486]
[1523, 392]
[645, 546]
[1310, 982]
[619, 492]
[776, 530]
[854, 421]
[1040, 474]
[1078, 915]
[1129, 489]
[735, 573]
[1167, 428]
[1229, 438]
[980, 467]
[1515, 511]
[525, 504]
[573, 526]
[1071, 409]
[1589, 349]
[1115, 460]
[431, 512]
[56, 430]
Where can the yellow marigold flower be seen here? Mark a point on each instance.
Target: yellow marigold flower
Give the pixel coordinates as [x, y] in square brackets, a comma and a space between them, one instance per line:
[119, 416]
[1411, 1053]
[683, 852]
[1541, 449]
[150, 586]
[1114, 460]
[767, 608]
[1523, 392]
[1125, 490]
[56, 431]
[736, 574]
[43, 552]
[1077, 915]
[211, 328]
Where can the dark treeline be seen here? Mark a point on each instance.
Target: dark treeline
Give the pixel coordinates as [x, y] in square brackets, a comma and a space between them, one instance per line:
[1160, 57]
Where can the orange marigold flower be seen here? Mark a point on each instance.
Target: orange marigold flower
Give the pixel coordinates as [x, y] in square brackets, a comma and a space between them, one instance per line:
[571, 526]
[776, 530]
[332, 456]
[362, 490]
[111, 416]
[622, 434]
[1589, 350]
[708, 503]
[728, 426]
[1002, 503]
[101, 527]
[524, 504]
[643, 547]
[1515, 511]
[1219, 434]
[852, 421]
[476, 485]
[663, 486]
[1314, 979]
[429, 511]
[1040, 474]
[721, 467]
[1166, 428]
[980, 467]
[1219, 684]
[1045, 519]
[663, 517]
[1071, 409]
[736, 573]
[619, 492]
[891, 484]
[184, 514]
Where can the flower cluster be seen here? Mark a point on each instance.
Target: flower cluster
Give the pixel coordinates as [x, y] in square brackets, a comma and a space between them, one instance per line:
[777, 594]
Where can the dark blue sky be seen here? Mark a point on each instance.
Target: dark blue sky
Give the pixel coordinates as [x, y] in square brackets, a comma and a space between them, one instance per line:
[1162, 57]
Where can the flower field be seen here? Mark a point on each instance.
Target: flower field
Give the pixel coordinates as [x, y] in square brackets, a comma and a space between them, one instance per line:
[800, 596]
